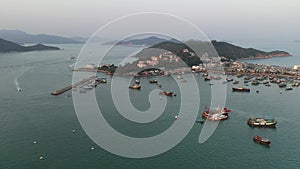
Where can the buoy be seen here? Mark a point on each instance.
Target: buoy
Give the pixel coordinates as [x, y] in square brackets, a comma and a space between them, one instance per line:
[92, 148]
[257, 91]
[280, 92]
[41, 157]
[34, 142]
[160, 98]
[73, 131]
[176, 117]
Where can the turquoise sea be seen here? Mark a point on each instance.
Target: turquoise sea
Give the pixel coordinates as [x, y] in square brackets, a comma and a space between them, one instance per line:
[35, 115]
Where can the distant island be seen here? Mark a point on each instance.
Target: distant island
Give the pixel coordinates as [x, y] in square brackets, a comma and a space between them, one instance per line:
[7, 46]
[152, 40]
[170, 57]
[235, 52]
[21, 37]
[169, 54]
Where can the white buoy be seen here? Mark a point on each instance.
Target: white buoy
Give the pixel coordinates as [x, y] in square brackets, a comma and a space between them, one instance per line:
[41, 157]
[34, 142]
[176, 117]
[280, 92]
[73, 131]
[92, 148]
[160, 98]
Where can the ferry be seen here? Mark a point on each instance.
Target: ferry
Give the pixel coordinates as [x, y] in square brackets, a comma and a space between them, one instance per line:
[261, 122]
[261, 140]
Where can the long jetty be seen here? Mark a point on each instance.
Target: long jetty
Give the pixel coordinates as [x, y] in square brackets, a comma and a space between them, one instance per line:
[69, 87]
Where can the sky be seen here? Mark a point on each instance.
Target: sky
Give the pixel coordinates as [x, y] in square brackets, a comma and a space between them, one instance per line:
[218, 19]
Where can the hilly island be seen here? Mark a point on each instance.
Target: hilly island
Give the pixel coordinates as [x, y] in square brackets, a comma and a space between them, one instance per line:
[7, 46]
[171, 55]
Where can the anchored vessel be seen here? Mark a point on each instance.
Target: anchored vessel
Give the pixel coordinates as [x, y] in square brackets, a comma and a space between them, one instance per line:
[135, 87]
[261, 122]
[261, 140]
[217, 114]
[167, 93]
[240, 89]
[152, 81]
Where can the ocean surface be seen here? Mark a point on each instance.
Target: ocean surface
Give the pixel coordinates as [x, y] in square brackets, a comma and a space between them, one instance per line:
[34, 115]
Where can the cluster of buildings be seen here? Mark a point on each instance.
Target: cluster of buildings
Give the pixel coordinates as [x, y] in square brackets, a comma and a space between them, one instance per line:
[154, 60]
[243, 67]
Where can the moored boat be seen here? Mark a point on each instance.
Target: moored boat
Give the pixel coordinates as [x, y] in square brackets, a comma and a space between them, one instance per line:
[216, 115]
[153, 81]
[288, 88]
[137, 81]
[261, 140]
[229, 79]
[135, 87]
[295, 84]
[167, 93]
[240, 89]
[281, 85]
[255, 82]
[261, 122]
[235, 82]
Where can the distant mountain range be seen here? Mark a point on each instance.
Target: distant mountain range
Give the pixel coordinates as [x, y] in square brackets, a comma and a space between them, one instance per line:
[21, 37]
[7, 46]
[152, 40]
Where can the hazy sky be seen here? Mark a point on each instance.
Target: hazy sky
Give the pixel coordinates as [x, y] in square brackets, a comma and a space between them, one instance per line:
[219, 19]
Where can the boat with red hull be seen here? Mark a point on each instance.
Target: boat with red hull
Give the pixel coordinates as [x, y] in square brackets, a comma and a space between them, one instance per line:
[261, 140]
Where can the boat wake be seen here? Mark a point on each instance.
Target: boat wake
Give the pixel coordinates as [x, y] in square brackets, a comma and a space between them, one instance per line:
[18, 88]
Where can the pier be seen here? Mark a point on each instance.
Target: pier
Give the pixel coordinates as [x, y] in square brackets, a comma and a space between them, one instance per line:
[69, 87]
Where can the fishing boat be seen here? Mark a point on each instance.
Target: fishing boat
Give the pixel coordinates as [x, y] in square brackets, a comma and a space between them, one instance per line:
[207, 78]
[152, 81]
[229, 79]
[295, 84]
[235, 82]
[261, 140]
[261, 122]
[239, 75]
[167, 93]
[282, 85]
[240, 89]
[217, 114]
[135, 87]
[255, 82]
[288, 88]
[101, 80]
